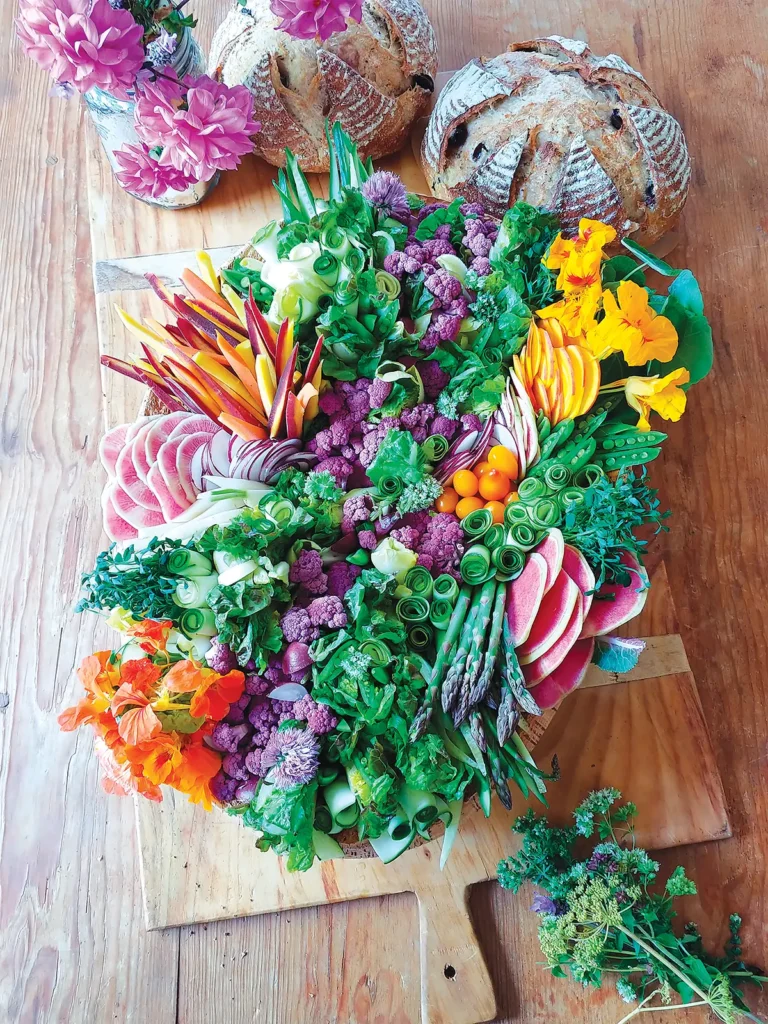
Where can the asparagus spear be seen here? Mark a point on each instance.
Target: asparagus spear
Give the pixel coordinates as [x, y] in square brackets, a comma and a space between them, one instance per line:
[498, 773]
[481, 682]
[423, 715]
[474, 657]
[452, 682]
[477, 728]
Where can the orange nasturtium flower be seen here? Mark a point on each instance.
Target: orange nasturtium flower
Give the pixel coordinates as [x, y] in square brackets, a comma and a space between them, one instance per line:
[100, 680]
[213, 693]
[631, 327]
[151, 634]
[198, 766]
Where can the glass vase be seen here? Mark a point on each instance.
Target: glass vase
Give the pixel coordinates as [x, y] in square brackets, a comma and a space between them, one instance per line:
[113, 120]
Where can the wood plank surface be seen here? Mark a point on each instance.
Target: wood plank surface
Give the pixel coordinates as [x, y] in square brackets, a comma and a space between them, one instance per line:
[72, 944]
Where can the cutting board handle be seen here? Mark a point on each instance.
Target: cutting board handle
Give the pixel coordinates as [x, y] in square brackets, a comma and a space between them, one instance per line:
[455, 985]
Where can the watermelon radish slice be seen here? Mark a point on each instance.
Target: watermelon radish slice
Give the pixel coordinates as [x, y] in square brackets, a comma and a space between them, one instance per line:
[578, 568]
[189, 446]
[161, 431]
[552, 619]
[170, 508]
[606, 615]
[166, 460]
[133, 513]
[110, 446]
[194, 424]
[524, 596]
[115, 527]
[566, 677]
[549, 660]
[139, 451]
[551, 550]
[130, 481]
[138, 423]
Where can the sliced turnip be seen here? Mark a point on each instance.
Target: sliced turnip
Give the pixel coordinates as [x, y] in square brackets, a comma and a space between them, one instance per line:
[133, 513]
[115, 527]
[110, 446]
[130, 481]
[194, 424]
[166, 460]
[169, 506]
[189, 446]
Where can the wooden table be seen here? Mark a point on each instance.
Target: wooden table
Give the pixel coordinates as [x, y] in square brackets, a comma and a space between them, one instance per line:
[73, 948]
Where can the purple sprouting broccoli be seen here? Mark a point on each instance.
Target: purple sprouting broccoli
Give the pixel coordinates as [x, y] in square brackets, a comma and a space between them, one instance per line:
[234, 766]
[341, 576]
[367, 539]
[227, 738]
[379, 392]
[223, 788]
[221, 658]
[308, 571]
[433, 377]
[442, 545]
[297, 626]
[321, 720]
[327, 611]
[445, 426]
[444, 286]
[356, 510]
[338, 467]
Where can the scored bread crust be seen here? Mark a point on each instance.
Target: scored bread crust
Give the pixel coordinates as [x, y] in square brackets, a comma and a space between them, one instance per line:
[375, 78]
[555, 125]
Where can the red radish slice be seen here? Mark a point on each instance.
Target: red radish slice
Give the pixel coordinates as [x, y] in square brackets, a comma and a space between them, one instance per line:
[170, 507]
[189, 447]
[115, 527]
[166, 460]
[551, 550]
[548, 662]
[552, 619]
[194, 424]
[130, 481]
[110, 446]
[138, 516]
[161, 431]
[607, 614]
[566, 677]
[577, 567]
[524, 596]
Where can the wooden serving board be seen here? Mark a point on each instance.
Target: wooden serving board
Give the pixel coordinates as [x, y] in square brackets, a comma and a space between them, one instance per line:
[644, 734]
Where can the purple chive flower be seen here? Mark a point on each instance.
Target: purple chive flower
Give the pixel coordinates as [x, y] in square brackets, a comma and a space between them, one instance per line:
[293, 755]
[386, 193]
[543, 904]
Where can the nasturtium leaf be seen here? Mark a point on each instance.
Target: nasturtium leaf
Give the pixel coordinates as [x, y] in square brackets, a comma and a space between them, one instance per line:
[622, 268]
[180, 721]
[694, 345]
[616, 654]
[647, 257]
[686, 291]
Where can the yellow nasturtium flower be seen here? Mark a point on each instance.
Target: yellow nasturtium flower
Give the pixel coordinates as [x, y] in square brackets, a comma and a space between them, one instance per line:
[631, 327]
[575, 314]
[593, 234]
[662, 395]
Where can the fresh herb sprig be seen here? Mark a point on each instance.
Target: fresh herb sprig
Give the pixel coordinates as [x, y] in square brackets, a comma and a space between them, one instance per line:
[599, 915]
[139, 581]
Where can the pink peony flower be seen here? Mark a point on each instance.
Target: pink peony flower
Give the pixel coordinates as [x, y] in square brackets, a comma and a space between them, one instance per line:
[144, 177]
[306, 19]
[84, 43]
[202, 126]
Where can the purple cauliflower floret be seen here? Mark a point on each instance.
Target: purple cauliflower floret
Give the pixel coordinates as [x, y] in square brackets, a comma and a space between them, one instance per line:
[470, 421]
[418, 416]
[223, 788]
[321, 720]
[445, 426]
[331, 403]
[359, 405]
[399, 263]
[356, 510]
[227, 738]
[263, 717]
[433, 377]
[443, 231]
[322, 444]
[367, 539]
[340, 428]
[236, 713]
[327, 611]
[373, 438]
[297, 626]
[458, 307]
[481, 266]
[441, 328]
[434, 247]
[442, 543]
[427, 209]
[443, 286]
[308, 571]
[220, 658]
[303, 707]
[338, 467]
[253, 761]
[234, 766]
[408, 536]
[473, 210]
[255, 685]
[379, 392]
[341, 576]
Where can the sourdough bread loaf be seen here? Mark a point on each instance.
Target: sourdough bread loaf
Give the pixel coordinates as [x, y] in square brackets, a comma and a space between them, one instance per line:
[551, 123]
[375, 78]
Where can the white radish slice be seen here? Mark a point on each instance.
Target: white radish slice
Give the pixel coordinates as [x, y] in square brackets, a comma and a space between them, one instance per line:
[196, 467]
[133, 513]
[215, 483]
[161, 431]
[188, 446]
[178, 530]
[170, 507]
[130, 481]
[219, 452]
[115, 527]
[166, 460]
[110, 446]
[194, 424]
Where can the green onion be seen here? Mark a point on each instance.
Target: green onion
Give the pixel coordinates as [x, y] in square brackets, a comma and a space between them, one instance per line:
[192, 593]
[557, 476]
[326, 266]
[477, 522]
[184, 562]
[516, 512]
[531, 488]
[435, 447]
[545, 513]
[509, 560]
[419, 580]
[412, 609]
[377, 651]
[198, 622]
[446, 586]
[523, 535]
[440, 612]
[420, 636]
[475, 567]
[589, 475]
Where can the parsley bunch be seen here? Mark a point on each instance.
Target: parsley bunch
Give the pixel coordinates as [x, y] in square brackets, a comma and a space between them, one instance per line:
[599, 915]
[139, 581]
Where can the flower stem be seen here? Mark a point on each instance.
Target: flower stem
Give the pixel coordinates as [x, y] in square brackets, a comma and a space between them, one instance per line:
[667, 963]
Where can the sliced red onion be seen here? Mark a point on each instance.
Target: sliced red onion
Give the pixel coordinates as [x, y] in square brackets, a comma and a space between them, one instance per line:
[296, 658]
[288, 691]
[461, 457]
